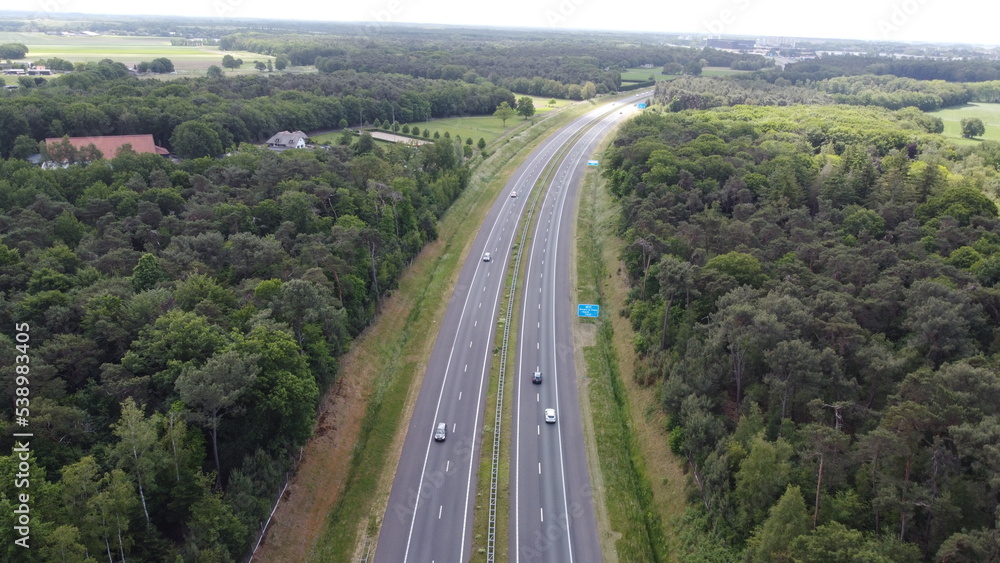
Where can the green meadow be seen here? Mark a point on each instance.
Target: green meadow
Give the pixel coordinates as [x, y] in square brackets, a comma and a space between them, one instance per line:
[952, 118]
[643, 74]
[487, 127]
[128, 50]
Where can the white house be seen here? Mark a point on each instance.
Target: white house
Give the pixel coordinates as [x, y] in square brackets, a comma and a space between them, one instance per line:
[286, 140]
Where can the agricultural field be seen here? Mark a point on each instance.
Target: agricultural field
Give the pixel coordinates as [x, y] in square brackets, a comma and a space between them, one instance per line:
[128, 50]
[952, 118]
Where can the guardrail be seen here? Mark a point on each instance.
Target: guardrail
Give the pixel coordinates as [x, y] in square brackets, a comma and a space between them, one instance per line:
[491, 531]
[495, 465]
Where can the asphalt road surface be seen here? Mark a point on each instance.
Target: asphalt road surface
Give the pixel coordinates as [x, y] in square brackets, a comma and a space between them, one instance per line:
[552, 509]
[429, 514]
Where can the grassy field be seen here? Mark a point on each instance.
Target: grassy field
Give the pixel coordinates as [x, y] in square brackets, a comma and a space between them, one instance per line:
[643, 74]
[542, 104]
[952, 118]
[127, 50]
[487, 127]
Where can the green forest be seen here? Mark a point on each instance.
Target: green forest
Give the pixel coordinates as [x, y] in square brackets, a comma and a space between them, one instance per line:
[813, 270]
[220, 113]
[184, 321]
[814, 292]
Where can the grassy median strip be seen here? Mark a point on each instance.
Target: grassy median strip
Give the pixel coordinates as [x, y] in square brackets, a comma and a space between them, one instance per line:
[397, 351]
[636, 527]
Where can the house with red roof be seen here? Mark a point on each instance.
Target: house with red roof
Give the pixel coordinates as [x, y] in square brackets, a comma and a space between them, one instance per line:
[107, 146]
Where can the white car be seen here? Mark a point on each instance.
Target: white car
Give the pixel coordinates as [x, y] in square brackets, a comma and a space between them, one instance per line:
[513, 194]
[487, 257]
[550, 415]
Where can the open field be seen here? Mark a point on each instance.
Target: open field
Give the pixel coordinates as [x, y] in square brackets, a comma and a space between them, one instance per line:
[487, 127]
[952, 118]
[127, 50]
[643, 74]
[542, 104]
[720, 71]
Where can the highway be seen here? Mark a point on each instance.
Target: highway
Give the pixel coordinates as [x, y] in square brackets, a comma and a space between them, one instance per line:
[552, 510]
[428, 517]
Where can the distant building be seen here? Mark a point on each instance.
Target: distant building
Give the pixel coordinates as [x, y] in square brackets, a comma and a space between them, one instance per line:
[285, 140]
[110, 145]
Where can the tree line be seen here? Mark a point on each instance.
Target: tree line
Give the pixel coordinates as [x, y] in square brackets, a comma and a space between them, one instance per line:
[528, 63]
[815, 290]
[891, 92]
[185, 320]
[968, 69]
[103, 99]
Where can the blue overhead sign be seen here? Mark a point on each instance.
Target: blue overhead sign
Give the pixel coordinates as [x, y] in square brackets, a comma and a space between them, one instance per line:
[587, 310]
[592, 163]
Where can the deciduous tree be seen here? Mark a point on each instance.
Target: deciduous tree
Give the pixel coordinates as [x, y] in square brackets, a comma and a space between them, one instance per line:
[525, 106]
[972, 127]
[504, 112]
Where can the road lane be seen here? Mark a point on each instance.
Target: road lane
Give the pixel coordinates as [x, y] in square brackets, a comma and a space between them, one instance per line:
[428, 516]
[552, 507]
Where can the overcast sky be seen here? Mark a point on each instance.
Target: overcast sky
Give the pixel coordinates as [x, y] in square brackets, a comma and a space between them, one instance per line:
[965, 21]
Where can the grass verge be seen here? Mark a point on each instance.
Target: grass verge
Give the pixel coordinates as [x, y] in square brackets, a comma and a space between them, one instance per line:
[635, 510]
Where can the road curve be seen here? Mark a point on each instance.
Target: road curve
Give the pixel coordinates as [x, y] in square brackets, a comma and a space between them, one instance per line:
[429, 514]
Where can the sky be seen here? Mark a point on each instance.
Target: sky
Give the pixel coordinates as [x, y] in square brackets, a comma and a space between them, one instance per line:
[949, 21]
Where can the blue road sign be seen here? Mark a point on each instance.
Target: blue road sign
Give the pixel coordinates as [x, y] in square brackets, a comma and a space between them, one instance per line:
[587, 310]
[641, 106]
[592, 163]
